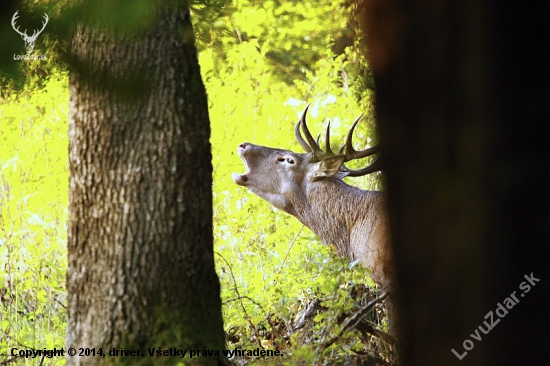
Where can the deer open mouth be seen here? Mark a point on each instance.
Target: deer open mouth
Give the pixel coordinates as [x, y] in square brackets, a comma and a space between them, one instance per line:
[241, 179]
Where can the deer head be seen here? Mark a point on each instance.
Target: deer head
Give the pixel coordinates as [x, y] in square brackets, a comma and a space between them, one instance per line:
[281, 176]
[29, 40]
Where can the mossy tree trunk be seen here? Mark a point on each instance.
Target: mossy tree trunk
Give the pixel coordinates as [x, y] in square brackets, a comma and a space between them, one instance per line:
[140, 252]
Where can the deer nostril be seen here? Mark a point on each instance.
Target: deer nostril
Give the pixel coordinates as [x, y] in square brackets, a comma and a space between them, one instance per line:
[243, 145]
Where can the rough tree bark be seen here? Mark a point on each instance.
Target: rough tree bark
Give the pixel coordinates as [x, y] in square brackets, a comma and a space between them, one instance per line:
[462, 105]
[140, 251]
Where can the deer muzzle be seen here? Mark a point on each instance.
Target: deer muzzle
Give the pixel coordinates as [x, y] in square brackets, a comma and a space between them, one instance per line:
[242, 179]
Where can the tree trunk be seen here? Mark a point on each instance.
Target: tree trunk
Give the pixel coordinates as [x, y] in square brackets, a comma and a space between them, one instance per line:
[462, 108]
[140, 252]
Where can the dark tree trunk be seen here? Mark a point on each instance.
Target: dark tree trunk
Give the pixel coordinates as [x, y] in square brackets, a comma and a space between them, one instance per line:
[140, 252]
[463, 111]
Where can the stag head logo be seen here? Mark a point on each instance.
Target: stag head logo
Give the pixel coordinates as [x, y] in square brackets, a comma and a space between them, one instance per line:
[29, 40]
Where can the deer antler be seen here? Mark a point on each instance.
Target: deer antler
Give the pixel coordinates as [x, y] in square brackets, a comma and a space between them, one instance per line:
[352, 154]
[44, 23]
[35, 32]
[13, 19]
[312, 146]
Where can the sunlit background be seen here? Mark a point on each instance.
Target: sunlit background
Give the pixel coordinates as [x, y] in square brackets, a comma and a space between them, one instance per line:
[262, 63]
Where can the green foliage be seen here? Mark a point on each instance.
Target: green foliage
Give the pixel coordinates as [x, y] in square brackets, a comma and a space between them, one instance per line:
[261, 62]
[33, 215]
[270, 266]
[292, 35]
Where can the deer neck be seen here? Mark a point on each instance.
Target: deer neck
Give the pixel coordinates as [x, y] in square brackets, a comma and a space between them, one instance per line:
[329, 208]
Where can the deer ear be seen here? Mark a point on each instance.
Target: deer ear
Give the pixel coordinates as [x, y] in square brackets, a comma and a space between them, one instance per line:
[329, 167]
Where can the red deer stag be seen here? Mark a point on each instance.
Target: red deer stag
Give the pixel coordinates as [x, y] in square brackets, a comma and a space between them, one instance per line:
[310, 187]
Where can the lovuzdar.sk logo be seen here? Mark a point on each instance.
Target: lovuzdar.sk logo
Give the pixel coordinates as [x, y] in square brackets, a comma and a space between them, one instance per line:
[29, 40]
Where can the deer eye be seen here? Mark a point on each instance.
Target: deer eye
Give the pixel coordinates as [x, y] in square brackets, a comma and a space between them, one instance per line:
[290, 161]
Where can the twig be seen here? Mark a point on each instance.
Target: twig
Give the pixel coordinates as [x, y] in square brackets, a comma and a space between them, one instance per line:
[247, 298]
[288, 252]
[240, 297]
[302, 322]
[354, 320]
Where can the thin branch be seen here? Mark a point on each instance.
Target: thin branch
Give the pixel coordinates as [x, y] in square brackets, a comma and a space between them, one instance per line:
[302, 322]
[288, 252]
[352, 321]
[240, 297]
[247, 298]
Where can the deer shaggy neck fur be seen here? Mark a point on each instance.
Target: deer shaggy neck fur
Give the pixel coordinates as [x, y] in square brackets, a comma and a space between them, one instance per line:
[358, 234]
